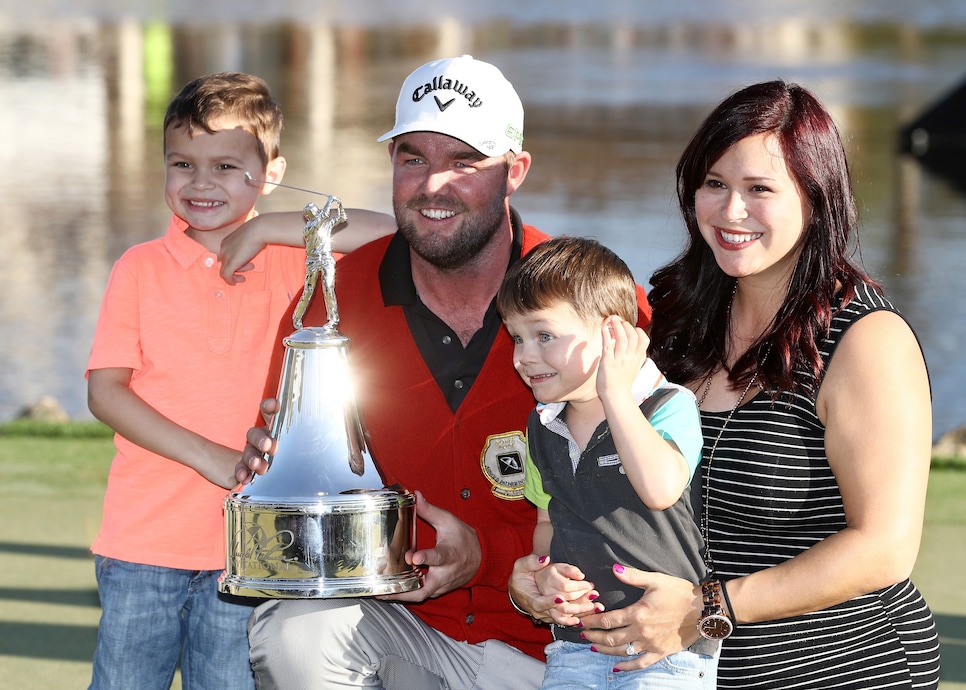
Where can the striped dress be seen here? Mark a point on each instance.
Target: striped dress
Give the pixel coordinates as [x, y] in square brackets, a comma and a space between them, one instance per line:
[773, 495]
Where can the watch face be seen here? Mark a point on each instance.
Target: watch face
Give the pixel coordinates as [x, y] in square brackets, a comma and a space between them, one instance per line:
[715, 627]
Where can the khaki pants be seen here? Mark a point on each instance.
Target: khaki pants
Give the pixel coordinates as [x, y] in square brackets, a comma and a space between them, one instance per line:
[366, 643]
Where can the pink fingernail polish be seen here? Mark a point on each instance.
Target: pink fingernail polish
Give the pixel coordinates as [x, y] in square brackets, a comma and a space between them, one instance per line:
[618, 568]
[543, 559]
[593, 597]
[582, 636]
[558, 600]
[616, 670]
[593, 648]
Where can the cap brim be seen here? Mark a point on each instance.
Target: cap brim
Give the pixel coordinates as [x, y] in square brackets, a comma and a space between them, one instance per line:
[434, 128]
[422, 126]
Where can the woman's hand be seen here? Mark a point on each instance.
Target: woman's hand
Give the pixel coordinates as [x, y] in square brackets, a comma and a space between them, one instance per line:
[663, 621]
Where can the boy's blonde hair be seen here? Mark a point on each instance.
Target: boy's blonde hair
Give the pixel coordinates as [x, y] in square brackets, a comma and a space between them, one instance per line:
[229, 94]
[578, 271]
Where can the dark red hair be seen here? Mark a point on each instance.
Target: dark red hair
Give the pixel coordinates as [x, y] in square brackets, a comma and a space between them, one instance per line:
[690, 296]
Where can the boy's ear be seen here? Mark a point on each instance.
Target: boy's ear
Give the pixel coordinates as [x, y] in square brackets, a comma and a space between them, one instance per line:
[274, 172]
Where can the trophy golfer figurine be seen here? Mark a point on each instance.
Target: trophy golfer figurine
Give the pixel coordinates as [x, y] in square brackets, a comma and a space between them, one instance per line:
[318, 257]
[320, 523]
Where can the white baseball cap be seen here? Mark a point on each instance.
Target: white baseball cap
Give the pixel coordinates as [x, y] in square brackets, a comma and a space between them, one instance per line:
[464, 98]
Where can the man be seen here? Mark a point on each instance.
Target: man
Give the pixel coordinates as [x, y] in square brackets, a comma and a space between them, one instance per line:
[444, 408]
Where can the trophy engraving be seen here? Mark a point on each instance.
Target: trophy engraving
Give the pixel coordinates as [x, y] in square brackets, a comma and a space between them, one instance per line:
[320, 522]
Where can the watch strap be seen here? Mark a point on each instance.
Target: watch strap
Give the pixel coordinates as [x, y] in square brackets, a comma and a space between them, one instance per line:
[715, 623]
[712, 598]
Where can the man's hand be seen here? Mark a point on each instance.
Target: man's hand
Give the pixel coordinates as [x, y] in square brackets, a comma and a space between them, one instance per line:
[451, 563]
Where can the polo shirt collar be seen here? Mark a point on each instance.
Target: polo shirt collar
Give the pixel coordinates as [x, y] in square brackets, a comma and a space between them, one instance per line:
[648, 380]
[185, 250]
[395, 271]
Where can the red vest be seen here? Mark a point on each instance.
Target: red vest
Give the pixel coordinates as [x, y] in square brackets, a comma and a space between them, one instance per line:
[464, 462]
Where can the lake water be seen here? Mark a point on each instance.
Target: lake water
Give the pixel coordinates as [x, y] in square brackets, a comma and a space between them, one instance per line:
[612, 90]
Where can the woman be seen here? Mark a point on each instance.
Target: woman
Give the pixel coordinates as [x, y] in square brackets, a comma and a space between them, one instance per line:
[816, 416]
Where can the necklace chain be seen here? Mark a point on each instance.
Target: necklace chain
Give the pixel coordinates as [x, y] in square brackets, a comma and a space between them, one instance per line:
[706, 482]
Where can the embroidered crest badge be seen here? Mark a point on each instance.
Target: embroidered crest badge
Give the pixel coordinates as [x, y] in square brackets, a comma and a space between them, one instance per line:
[502, 461]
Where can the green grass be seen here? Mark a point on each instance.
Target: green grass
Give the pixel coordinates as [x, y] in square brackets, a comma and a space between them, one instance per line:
[40, 429]
[956, 464]
[47, 467]
[52, 479]
[40, 459]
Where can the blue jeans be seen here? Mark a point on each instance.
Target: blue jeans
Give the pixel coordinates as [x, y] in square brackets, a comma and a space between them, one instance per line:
[571, 665]
[151, 615]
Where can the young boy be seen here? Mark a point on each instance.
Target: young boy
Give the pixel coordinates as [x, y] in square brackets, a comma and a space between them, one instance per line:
[612, 447]
[177, 369]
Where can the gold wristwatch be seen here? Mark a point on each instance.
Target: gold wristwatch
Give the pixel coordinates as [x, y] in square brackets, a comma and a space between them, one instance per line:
[714, 623]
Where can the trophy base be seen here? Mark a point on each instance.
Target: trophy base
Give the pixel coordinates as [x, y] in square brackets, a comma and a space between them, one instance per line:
[317, 588]
[348, 545]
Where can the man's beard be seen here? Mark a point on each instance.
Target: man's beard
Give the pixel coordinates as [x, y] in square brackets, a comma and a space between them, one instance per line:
[465, 244]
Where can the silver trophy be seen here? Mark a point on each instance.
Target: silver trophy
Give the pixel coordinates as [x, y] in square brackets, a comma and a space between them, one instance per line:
[320, 523]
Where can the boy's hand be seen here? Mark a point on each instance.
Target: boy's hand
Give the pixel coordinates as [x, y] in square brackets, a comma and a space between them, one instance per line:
[624, 353]
[260, 442]
[571, 594]
[525, 594]
[239, 248]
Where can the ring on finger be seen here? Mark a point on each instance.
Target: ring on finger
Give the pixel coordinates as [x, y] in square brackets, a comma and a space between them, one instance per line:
[629, 650]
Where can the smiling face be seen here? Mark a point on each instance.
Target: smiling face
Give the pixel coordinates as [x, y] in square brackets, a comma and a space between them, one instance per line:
[556, 353]
[750, 211]
[205, 182]
[449, 199]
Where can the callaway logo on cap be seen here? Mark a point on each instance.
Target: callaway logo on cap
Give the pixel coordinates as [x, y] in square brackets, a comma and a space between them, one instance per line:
[463, 98]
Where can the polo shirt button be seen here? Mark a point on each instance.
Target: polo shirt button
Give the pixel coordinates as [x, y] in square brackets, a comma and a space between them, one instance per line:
[470, 618]
[209, 262]
[465, 494]
[219, 294]
[447, 340]
[458, 384]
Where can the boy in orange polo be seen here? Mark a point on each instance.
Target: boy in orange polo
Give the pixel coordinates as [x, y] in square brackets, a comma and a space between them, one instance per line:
[177, 369]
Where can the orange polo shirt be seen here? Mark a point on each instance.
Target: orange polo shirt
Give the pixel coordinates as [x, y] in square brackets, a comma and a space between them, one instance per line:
[200, 351]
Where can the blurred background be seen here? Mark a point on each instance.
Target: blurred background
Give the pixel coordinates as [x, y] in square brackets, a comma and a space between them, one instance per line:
[612, 91]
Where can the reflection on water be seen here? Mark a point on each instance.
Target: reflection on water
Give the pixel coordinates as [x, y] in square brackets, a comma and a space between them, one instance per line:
[611, 96]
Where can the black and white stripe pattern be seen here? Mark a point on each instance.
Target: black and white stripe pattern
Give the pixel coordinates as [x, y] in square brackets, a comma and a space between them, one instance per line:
[773, 495]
